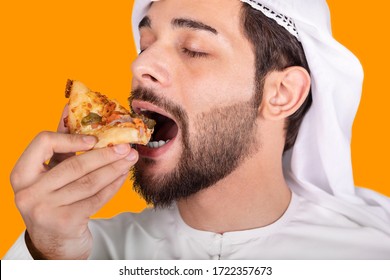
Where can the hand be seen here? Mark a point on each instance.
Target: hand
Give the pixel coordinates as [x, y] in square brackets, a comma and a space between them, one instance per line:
[56, 200]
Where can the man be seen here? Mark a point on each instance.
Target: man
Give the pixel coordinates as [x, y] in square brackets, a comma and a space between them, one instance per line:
[230, 178]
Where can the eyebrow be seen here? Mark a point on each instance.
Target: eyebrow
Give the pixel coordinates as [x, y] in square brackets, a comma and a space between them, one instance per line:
[182, 23]
[193, 24]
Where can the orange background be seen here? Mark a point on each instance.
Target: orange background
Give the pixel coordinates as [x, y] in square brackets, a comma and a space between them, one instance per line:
[43, 43]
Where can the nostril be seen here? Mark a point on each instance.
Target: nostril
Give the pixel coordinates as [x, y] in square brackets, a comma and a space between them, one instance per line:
[147, 76]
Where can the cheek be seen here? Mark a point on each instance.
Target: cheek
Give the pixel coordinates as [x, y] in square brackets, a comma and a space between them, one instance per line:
[219, 88]
[205, 83]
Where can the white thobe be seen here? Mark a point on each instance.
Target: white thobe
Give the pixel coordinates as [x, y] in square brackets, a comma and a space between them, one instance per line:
[305, 231]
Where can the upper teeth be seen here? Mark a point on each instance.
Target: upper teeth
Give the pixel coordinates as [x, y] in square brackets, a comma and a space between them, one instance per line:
[157, 144]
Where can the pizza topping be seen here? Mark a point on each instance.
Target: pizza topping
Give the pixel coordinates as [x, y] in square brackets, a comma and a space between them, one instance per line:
[165, 129]
[150, 123]
[92, 118]
[109, 108]
[114, 116]
[121, 120]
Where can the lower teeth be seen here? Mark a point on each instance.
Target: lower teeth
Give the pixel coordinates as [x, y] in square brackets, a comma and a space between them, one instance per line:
[157, 144]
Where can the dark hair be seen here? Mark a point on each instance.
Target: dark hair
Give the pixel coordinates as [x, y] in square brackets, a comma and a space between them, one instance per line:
[275, 49]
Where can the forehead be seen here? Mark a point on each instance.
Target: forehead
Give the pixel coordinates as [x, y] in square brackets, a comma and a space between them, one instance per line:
[223, 15]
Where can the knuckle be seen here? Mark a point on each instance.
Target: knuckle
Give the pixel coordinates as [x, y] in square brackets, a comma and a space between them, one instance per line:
[109, 154]
[114, 168]
[105, 194]
[118, 168]
[23, 200]
[39, 214]
[86, 182]
[99, 198]
[74, 165]
[16, 178]
[117, 183]
[44, 137]
[74, 138]
[95, 202]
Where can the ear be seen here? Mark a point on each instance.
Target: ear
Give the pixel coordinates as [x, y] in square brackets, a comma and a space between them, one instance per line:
[284, 92]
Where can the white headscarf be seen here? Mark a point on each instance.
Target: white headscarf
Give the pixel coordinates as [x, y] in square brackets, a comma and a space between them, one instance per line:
[318, 167]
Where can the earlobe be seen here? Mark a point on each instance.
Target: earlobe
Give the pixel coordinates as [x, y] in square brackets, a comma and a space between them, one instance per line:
[284, 92]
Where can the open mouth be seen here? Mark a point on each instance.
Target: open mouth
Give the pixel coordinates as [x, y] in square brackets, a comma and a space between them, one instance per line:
[165, 130]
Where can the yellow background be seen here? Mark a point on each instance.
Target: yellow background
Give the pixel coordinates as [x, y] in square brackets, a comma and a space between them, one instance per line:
[43, 43]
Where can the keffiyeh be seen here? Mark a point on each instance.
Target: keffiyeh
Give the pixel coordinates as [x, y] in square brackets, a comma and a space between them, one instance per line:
[318, 167]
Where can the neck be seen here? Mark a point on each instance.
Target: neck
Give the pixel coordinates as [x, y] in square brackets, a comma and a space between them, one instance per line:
[254, 195]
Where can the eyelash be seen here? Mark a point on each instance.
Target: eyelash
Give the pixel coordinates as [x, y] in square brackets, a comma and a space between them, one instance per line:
[188, 52]
[194, 54]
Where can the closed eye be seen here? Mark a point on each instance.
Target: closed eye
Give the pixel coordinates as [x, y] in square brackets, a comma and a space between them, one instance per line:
[194, 54]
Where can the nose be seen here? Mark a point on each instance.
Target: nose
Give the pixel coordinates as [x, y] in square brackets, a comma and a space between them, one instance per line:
[151, 69]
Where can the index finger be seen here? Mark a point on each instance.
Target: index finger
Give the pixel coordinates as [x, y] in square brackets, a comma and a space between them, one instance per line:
[76, 167]
[31, 163]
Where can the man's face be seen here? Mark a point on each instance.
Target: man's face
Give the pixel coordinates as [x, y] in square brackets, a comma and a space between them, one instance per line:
[195, 77]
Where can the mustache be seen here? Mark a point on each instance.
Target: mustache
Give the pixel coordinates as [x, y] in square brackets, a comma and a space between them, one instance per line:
[148, 95]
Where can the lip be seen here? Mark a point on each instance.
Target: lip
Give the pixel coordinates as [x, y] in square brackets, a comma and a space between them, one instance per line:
[138, 105]
[144, 151]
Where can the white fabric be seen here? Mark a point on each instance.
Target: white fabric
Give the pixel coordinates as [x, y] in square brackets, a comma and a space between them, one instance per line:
[305, 231]
[318, 167]
[281, 19]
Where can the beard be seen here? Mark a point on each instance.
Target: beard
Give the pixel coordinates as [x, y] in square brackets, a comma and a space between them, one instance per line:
[224, 138]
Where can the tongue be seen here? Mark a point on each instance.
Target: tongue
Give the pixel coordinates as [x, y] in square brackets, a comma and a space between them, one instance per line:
[166, 132]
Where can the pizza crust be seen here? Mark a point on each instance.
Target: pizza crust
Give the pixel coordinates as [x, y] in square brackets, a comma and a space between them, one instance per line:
[118, 135]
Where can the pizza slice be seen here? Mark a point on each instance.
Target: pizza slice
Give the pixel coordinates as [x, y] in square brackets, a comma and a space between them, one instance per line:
[93, 113]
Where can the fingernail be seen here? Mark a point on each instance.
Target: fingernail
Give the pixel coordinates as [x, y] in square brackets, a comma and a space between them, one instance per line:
[89, 140]
[132, 156]
[121, 149]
